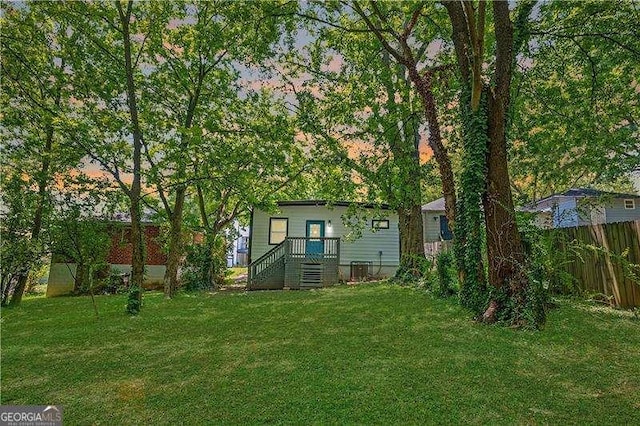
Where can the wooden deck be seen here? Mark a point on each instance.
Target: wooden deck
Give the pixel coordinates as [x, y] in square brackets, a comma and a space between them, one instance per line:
[297, 263]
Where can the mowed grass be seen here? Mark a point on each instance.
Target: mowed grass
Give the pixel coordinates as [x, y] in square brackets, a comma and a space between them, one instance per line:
[372, 354]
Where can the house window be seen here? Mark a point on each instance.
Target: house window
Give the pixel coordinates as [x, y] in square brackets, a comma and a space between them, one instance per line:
[278, 230]
[380, 224]
[630, 204]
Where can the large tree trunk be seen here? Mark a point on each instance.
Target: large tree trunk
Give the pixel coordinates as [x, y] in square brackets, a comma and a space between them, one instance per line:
[411, 238]
[175, 245]
[504, 246]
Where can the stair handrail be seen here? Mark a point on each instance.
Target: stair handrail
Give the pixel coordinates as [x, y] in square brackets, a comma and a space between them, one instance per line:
[265, 258]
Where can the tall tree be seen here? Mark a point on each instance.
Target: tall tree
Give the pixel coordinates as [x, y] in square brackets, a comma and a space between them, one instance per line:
[576, 98]
[391, 36]
[397, 28]
[484, 107]
[252, 161]
[194, 84]
[36, 91]
[484, 104]
[110, 39]
[359, 107]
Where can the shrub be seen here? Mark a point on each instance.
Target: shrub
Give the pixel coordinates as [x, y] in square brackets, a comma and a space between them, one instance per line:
[113, 283]
[413, 269]
[205, 266]
[447, 282]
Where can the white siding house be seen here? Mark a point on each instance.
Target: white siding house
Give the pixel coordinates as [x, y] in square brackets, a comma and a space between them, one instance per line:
[378, 244]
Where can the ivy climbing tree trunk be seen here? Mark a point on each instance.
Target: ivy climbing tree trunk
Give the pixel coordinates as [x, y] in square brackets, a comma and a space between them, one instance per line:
[484, 110]
[469, 238]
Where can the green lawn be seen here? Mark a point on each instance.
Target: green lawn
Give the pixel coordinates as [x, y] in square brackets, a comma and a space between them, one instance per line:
[367, 354]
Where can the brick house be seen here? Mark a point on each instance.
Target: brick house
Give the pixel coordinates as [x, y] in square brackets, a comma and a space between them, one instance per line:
[63, 271]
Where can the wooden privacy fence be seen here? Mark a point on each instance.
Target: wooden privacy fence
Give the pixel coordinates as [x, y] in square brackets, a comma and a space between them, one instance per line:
[603, 259]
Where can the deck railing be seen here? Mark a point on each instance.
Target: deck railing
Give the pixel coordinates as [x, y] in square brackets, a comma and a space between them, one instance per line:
[268, 263]
[321, 248]
[273, 263]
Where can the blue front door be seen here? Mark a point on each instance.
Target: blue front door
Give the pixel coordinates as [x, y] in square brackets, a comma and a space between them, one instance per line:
[315, 231]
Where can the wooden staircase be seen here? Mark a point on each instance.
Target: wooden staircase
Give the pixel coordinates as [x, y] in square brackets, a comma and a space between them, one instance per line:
[295, 264]
[267, 273]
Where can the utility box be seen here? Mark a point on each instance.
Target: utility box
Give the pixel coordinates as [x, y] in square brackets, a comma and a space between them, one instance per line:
[360, 271]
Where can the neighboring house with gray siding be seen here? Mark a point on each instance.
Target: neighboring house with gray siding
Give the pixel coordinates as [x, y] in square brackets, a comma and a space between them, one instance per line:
[317, 235]
[584, 206]
[435, 228]
[435, 225]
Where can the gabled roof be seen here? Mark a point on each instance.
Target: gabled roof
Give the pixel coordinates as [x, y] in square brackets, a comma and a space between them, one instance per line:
[434, 206]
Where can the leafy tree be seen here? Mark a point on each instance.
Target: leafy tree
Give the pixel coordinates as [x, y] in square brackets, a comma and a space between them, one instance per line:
[194, 90]
[358, 106]
[407, 39]
[382, 56]
[35, 90]
[576, 109]
[484, 105]
[252, 165]
[109, 40]
[18, 252]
